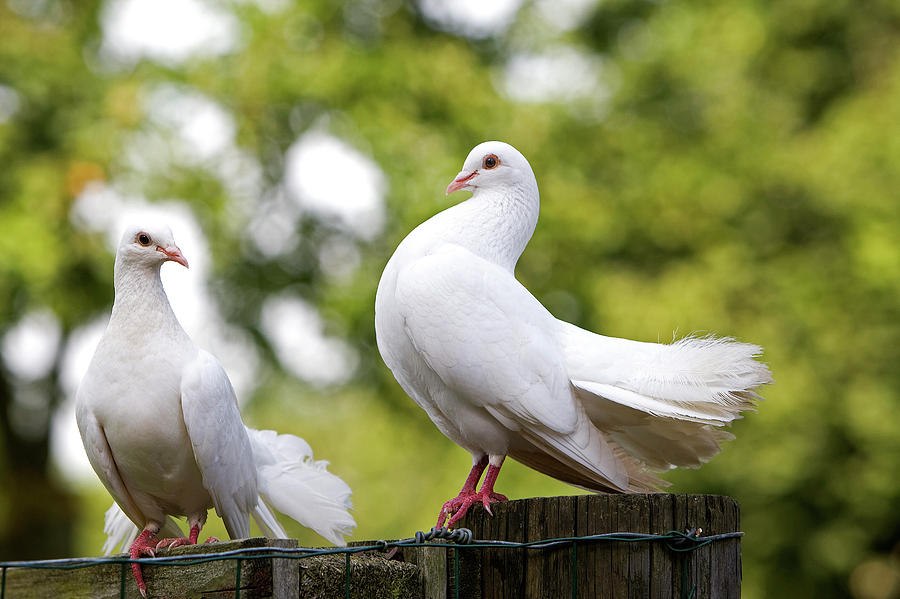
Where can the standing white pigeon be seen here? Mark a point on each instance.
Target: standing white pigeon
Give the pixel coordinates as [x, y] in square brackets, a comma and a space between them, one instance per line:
[161, 427]
[500, 376]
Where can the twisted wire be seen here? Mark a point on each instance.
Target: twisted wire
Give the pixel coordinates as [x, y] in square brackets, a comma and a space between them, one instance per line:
[461, 537]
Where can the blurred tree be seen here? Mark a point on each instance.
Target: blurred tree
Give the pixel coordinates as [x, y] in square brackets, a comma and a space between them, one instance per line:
[727, 167]
[49, 94]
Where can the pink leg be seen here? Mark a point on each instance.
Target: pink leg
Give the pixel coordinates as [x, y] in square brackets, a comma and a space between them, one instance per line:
[485, 495]
[467, 491]
[487, 487]
[195, 534]
[143, 545]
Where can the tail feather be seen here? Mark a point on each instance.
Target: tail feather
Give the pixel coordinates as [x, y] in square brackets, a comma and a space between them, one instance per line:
[705, 379]
[537, 454]
[704, 370]
[586, 457]
[661, 443]
[714, 414]
[662, 402]
[266, 520]
[289, 480]
[293, 483]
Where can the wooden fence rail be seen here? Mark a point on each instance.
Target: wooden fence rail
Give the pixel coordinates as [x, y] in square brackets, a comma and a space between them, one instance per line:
[579, 569]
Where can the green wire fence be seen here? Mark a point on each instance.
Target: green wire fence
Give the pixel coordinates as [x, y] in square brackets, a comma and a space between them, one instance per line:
[461, 539]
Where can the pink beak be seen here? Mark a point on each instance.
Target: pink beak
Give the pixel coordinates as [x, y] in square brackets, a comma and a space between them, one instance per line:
[174, 254]
[461, 182]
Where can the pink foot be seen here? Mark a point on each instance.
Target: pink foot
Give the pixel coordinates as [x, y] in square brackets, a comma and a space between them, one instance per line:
[142, 546]
[461, 502]
[179, 541]
[171, 543]
[457, 507]
[486, 499]
[468, 489]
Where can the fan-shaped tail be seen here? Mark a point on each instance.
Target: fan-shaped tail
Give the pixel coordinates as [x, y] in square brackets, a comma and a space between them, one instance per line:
[295, 484]
[661, 402]
[631, 475]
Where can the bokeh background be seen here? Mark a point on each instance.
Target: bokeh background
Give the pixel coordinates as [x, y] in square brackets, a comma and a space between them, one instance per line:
[728, 167]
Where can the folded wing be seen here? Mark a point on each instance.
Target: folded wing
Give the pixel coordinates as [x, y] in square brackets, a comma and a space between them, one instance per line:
[220, 442]
[493, 345]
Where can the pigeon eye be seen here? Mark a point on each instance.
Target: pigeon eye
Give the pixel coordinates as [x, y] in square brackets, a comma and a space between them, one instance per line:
[490, 161]
[143, 239]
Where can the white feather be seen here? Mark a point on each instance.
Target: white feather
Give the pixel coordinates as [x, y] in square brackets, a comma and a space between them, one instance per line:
[702, 379]
[161, 426]
[288, 478]
[293, 483]
[499, 375]
[119, 530]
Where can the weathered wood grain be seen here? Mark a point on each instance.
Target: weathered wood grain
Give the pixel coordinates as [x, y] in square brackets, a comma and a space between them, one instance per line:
[662, 561]
[432, 565]
[604, 569]
[210, 579]
[593, 569]
[372, 577]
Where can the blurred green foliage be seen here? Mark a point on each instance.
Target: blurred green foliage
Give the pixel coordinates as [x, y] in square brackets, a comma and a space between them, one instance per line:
[741, 178]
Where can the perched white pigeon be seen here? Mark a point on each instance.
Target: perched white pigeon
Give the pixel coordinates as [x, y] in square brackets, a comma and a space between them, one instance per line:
[500, 376]
[161, 427]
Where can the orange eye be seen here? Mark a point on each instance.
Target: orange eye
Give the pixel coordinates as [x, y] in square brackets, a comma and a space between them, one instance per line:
[490, 161]
[144, 239]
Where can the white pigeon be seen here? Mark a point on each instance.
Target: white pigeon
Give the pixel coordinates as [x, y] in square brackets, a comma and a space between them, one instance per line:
[161, 427]
[500, 376]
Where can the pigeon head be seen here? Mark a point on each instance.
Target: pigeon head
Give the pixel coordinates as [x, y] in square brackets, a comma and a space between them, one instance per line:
[149, 246]
[493, 165]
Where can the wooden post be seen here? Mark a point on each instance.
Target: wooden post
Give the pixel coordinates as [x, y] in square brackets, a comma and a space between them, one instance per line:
[600, 569]
[589, 569]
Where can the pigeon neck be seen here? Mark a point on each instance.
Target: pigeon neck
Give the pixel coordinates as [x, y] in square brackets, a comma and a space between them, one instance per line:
[140, 294]
[499, 225]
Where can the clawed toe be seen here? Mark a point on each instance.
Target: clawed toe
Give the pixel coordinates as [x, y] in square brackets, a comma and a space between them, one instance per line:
[457, 507]
[454, 509]
[486, 499]
[172, 543]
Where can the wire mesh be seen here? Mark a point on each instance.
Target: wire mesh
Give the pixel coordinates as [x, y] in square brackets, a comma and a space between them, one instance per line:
[461, 539]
